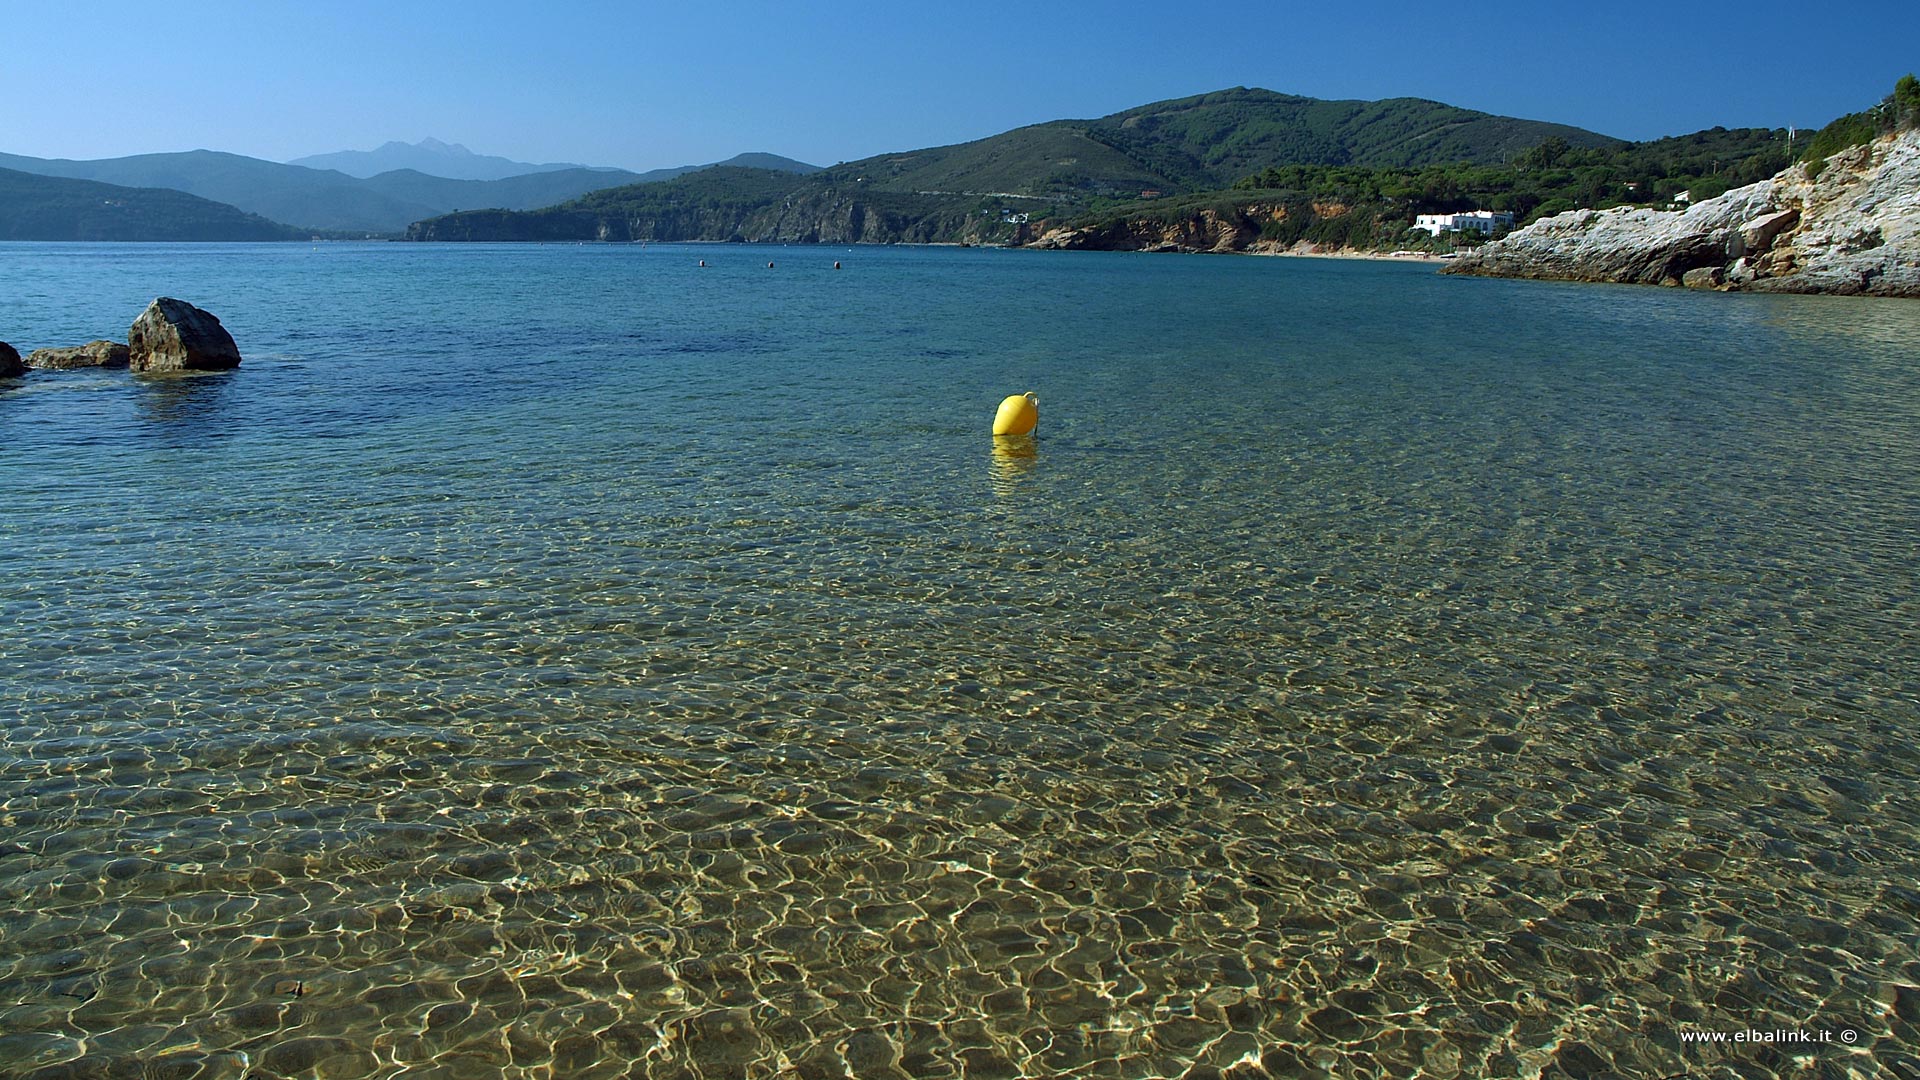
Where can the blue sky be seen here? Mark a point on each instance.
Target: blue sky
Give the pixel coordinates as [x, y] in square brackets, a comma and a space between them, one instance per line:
[644, 85]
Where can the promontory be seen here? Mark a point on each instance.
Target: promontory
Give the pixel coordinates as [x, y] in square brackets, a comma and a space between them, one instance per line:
[1847, 225]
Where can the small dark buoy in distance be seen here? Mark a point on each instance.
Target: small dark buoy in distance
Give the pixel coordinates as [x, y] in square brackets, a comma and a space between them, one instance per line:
[836, 265]
[703, 262]
[769, 266]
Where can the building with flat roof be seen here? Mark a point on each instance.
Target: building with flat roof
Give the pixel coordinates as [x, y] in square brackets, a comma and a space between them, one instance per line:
[1479, 221]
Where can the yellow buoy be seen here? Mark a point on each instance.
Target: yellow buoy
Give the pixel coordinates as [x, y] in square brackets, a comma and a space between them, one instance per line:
[1018, 415]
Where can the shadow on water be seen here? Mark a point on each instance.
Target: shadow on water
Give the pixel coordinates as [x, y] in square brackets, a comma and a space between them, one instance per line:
[1014, 458]
[184, 404]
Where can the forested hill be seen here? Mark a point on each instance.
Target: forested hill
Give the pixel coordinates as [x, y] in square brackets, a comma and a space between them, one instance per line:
[957, 192]
[1222, 136]
[1210, 141]
[34, 207]
[304, 198]
[732, 204]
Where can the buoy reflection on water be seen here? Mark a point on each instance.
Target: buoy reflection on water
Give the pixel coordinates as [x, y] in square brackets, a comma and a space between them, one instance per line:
[1014, 459]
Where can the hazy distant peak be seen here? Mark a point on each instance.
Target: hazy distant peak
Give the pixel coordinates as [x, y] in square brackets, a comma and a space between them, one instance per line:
[451, 161]
[775, 162]
[429, 145]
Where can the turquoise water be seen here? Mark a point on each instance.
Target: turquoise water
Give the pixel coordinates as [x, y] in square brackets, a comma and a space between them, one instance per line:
[568, 662]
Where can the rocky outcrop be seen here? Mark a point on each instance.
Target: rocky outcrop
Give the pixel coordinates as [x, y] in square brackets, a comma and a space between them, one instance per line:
[841, 215]
[1213, 230]
[10, 365]
[92, 354]
[1852, 228]
[1226, 228]
[173, 335]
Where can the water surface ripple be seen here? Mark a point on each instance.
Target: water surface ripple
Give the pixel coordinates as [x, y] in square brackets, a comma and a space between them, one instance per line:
[566, 662]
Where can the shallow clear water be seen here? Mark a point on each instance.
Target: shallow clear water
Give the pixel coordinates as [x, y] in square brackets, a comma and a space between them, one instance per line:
[564, 661]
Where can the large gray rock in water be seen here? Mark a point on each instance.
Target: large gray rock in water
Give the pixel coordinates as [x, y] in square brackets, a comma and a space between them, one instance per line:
[173, 335]
[92, 354]
[10, 365]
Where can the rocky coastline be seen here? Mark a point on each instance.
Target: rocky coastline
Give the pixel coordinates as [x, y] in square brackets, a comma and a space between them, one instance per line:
[1236, 229]
[1228, 230]
[1851, 227]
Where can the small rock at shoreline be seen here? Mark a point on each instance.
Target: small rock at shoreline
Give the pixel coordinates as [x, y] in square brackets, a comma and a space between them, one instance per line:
[110, 354]
[1704, 277]
[173, 335]
[10, 365]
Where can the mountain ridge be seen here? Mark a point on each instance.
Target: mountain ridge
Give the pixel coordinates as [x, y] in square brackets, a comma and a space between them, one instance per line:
[331, 201]
[1178, 146]
[37, 207]
[451, 161]
[304, 198]
[1211, 140]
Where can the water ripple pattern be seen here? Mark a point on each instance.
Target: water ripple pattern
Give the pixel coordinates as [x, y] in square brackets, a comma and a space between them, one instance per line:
[568, 662]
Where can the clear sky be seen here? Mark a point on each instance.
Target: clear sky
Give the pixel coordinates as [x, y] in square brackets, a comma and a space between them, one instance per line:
[644, 85]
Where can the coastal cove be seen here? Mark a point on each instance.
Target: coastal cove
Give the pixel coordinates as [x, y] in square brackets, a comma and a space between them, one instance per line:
[571, 660]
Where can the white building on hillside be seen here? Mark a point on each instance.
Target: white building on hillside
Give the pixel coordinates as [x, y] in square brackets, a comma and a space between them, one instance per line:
[1479, 221]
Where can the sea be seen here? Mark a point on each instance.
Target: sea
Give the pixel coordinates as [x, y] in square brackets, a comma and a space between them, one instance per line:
[577, 662]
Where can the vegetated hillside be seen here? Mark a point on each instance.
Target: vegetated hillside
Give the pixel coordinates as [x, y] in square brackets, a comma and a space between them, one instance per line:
[1209, 141]
[1055, 160]
[542, 189]
[977, 191]
[34, 207]
[722, 203]
[714, 206]
[1230, 133]
[1898, 111]
[750, 160]
[527, 192]
[307, 198]
[1704, 164]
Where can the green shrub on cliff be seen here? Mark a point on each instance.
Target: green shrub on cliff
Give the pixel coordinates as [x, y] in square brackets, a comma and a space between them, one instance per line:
[1906, 102]
[1850, 130]
[1898, 111]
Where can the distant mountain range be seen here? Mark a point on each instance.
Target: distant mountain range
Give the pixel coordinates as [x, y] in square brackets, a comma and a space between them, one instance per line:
[304, 198]
[325, 200]
[432, 157]
[452, 161]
